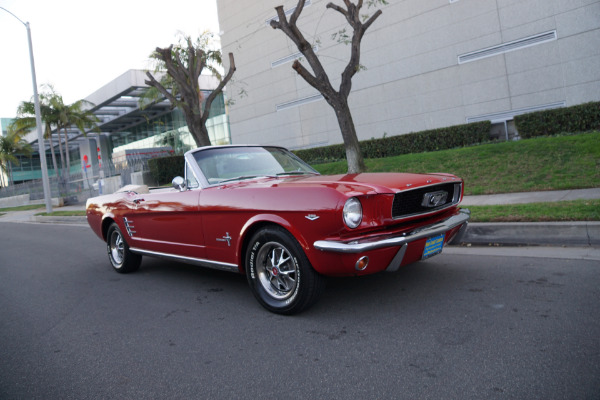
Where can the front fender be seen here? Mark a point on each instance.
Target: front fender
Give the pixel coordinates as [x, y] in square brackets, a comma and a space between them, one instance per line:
[256, 222]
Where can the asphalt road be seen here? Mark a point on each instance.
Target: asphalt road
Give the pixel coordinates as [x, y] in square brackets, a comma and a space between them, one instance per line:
[457, 326]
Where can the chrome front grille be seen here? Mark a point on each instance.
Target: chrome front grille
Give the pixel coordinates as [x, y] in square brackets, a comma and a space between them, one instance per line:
[411, 202]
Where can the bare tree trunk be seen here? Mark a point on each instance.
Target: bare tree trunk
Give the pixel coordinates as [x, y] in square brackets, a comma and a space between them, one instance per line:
[318, 79]
[185, 72]
[194, 123]
[354, 157]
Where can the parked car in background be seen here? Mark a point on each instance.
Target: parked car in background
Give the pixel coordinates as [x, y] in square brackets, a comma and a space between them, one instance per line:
[263, 212]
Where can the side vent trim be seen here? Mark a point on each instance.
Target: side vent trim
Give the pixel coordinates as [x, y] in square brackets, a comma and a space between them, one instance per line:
[299, 102]
[509, 115]
[507, 47]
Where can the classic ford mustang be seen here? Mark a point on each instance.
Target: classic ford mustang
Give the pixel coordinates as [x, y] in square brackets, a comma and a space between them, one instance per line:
[263, 212]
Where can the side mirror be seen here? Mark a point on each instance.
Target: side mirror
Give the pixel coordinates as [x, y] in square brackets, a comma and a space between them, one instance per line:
[179, 183]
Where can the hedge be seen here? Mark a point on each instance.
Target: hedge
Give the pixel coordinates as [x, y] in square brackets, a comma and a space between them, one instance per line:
[431, 140]
[579, 118]
[164, 169]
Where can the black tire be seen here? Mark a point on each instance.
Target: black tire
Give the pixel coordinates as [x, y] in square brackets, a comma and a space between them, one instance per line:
[279, 273]
[121, 258]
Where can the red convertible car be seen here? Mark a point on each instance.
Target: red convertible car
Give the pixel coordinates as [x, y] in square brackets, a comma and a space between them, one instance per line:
[263, 212]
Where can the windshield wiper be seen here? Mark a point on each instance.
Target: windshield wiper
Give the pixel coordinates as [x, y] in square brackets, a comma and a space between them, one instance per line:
[295, 173]
[239, 178]
[244, 177]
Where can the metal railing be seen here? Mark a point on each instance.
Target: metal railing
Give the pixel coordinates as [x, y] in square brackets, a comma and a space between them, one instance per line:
[80, 185]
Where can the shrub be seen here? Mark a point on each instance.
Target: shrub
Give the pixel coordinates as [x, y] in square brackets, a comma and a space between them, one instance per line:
[431, 140]
[164, 169]
[579, 118]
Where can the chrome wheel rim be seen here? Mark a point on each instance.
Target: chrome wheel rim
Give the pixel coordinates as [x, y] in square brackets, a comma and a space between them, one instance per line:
[277, 271]
[117, 247]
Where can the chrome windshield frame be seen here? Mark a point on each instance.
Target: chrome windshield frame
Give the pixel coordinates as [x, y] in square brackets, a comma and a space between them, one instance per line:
[201, 177]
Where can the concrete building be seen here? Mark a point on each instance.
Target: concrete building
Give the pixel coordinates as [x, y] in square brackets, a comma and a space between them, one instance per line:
[429, 64]
[125, 128]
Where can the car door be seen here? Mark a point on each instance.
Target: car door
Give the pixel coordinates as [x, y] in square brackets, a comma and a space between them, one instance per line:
[222, 223]
[167, 221]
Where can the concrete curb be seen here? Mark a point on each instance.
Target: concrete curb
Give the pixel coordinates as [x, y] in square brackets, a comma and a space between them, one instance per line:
[58, 220]
[586, 233]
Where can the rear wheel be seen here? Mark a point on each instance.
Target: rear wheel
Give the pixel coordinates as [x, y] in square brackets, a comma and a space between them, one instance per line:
[279, 273]
[121, 258]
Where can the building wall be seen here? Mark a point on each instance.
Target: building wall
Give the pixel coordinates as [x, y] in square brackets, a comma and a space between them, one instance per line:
[414, 79]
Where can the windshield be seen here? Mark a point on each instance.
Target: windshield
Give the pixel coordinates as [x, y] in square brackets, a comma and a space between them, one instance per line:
[232, 163]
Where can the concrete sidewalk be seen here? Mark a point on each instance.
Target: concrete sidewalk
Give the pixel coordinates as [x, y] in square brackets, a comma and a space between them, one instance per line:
[30, 217]
[531, 197]
[572, 233]
[586, 233]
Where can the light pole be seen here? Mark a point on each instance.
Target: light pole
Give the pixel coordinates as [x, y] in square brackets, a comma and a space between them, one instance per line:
[38, 120]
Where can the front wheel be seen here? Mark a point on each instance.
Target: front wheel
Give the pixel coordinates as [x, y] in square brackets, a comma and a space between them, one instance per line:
[279, 273]
[121, 258]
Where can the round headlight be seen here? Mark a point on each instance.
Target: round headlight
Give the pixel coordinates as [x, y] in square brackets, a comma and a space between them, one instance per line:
[352, 212]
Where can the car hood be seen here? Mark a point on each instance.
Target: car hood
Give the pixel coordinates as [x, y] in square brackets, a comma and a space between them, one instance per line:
[369, 183]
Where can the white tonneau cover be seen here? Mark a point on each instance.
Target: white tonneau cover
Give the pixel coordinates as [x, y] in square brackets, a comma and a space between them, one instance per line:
[139, 189]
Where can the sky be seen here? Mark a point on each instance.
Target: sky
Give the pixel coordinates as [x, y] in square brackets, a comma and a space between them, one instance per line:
[81, 45]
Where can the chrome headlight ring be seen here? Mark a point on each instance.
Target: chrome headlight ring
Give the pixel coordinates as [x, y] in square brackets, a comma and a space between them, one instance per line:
[352, 213]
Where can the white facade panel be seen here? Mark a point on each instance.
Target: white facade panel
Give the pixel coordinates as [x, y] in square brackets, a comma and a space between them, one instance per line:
[579, 20]
[582, 93]
[578, 72]
[539, 97]
[413, 79]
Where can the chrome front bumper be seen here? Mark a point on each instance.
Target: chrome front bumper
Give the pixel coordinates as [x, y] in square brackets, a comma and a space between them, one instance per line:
[358, 246]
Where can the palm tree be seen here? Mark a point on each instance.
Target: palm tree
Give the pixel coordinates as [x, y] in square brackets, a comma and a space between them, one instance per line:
[26, 122]
[57, 115]
[11, 145]
[77, 114]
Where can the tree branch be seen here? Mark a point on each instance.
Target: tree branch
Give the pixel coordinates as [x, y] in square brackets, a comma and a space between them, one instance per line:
[307, 76]
[154, 83]
[219, 88]
[367, 24]
[297, 12]
[281, 17]
[292, 32]
[337, 8]
[166, 56]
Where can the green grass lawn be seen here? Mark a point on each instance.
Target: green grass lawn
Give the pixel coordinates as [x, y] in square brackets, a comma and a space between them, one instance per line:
[577, 210]
[71, 213]
[23, 208]
[547, 163]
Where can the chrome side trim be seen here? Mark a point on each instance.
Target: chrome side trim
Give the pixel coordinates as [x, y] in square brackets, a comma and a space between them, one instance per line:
[358, 246]
[190, 260]
[129, 226]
